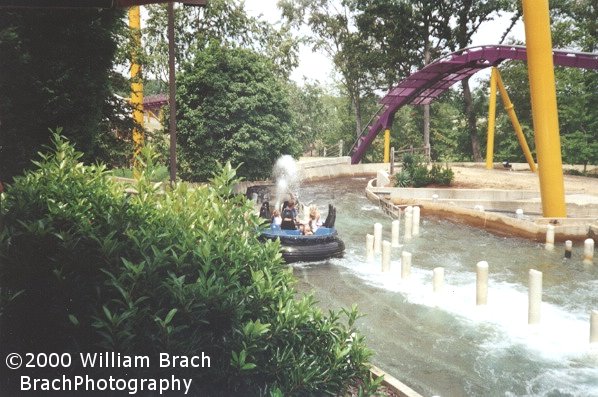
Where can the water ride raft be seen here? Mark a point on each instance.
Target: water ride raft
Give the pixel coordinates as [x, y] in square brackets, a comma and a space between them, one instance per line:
[295, 247]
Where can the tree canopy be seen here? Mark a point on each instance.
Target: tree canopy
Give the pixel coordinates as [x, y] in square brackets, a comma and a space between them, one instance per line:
[55, 72]
[232, 107]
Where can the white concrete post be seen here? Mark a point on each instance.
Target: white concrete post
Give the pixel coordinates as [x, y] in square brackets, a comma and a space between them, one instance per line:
[535, 297]
[481, 283]
[396, 225]
[594, 326]
[369, 247]
[386, 256]
[519, 213]
[416, 215]
[405, 265]
[568, 248]
[549, 238]
[254, 197]
[434, 197]
[408, 222]
[377, 238]
[438, 280]
[588, 251]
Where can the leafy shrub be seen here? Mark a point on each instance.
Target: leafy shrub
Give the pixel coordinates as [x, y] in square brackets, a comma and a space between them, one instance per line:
[419, 175]
[445, 177]
[403, 179]
[415, 173]
[84, 268]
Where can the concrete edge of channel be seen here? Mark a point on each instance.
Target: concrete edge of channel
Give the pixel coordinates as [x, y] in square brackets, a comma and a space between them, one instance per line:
[393, 384]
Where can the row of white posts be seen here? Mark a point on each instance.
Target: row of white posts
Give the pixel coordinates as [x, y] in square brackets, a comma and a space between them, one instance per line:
[375, 245]
[588, 246]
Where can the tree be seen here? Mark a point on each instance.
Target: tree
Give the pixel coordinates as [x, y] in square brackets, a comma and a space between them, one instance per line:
[224, 21]
[55, 72]
[573, 26]
[469, 17]
[332, 24]
[232, 108]
[405, 35]
[314, 113]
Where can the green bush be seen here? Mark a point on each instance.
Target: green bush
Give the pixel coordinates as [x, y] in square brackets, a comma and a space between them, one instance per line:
[85, 268]
[445, 177]
[415, 173]
[403, 179]
[419, 175]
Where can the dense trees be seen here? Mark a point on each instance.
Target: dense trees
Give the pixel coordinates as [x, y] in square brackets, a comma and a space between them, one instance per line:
[332, 24]
[55, 72]
[398, 37]
[223, 21]
[232, 107]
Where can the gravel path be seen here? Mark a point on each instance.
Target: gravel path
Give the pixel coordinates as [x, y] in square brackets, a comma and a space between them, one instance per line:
[474, 177]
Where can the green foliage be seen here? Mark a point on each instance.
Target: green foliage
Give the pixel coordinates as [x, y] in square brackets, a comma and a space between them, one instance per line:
[415, 173]
[55, 71]
[224, 21]
[403, 178]
[332, 32]
[232, 108]
[580, 148]
[84, 268]
[441, 175]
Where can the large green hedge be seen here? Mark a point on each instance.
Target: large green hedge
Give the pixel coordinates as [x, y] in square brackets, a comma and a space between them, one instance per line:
[231, 106]
[86, 268]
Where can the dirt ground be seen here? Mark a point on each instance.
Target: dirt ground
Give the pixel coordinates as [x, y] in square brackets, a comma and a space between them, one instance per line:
[476, 176]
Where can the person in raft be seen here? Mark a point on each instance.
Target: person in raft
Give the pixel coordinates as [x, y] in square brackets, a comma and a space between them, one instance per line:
[276, 219]
[289, 216]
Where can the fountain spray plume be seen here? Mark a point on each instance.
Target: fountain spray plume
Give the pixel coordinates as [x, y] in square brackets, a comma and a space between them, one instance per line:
[286, 175]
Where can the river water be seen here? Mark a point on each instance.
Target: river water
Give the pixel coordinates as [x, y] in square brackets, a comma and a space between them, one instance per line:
[443, 344]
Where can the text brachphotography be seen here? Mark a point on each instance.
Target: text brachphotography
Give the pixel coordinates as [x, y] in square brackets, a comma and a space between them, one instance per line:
[86, 384]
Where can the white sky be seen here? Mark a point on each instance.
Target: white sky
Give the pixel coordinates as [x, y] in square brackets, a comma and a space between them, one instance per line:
[316, 66]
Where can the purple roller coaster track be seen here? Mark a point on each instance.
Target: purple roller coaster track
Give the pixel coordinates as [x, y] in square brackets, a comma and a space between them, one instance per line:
[425, 85]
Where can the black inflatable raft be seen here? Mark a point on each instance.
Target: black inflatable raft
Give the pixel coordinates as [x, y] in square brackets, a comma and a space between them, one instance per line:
[296, 247]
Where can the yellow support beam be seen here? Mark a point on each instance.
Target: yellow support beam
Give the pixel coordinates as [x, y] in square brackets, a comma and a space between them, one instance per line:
[510, 108]
[491, 121]
[387, 146]
[136, 79]
[544, 107]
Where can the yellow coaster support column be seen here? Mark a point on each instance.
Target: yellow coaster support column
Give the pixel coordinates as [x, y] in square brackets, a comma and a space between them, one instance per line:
[136, 80]
[491, 121]
[544, 107]
[510, 108]
[387, 145]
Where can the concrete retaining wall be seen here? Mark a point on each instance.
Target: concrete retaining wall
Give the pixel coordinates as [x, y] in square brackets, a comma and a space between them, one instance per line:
[462, 210]
[335, 167]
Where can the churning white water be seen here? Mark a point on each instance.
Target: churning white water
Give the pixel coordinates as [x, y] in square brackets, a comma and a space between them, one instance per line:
[443, 344]
[285, 174]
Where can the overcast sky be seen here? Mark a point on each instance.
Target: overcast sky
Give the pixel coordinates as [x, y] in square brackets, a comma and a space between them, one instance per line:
[316, 66]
